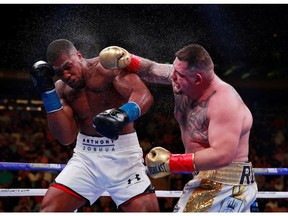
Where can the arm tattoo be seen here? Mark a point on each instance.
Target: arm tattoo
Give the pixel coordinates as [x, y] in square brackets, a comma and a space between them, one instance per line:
[155, 73]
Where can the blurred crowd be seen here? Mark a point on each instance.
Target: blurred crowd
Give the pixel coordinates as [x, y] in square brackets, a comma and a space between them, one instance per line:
[24, 137]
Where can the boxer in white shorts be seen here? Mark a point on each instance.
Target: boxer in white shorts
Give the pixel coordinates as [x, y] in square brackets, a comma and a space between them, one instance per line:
[100, 164]
[99, 103]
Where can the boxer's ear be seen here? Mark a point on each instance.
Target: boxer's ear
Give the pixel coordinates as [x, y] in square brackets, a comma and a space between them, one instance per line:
[198, 78]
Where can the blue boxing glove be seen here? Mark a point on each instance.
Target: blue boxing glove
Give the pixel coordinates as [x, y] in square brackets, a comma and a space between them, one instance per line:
[110, 122]
[42, 76]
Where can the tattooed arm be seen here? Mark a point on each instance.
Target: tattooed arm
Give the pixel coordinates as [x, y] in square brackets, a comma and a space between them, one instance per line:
[115, 57]
[154, 72]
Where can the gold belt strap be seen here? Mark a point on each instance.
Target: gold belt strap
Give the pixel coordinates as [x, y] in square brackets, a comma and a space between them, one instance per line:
[237, 173]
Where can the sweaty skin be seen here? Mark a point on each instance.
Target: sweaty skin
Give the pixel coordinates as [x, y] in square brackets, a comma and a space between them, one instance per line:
[214, 121]
[86, 89]
[89, 91]
[215, 126]
[228, 132]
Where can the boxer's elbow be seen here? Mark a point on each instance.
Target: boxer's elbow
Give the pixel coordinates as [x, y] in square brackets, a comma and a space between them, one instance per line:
[226, 158]
[148, 101]
[65, 141]
[65, 138]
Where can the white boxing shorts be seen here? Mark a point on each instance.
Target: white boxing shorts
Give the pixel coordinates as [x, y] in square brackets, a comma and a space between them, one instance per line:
[99, 164]
[229, 189]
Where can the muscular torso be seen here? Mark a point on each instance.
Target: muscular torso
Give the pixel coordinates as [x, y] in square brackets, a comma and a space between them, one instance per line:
[194, 118]
[98, 95]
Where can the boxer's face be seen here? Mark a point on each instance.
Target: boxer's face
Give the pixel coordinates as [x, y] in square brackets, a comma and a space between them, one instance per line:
[182, 78]
[69, 69]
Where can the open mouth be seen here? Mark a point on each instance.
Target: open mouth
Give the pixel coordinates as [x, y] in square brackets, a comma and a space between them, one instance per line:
[176, 87]
[71, 82]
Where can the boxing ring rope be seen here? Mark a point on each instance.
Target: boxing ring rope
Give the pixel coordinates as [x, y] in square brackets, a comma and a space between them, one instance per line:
[59, 167]
[14, 192]
[159, 193]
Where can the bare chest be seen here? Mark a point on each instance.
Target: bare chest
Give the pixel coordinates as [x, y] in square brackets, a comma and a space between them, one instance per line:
[87, 103]
[193, 119]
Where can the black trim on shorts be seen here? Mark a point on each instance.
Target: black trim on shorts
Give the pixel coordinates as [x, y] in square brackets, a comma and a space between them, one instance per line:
[148, 190]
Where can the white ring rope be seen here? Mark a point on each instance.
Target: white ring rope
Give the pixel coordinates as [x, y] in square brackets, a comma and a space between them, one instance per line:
[159, 193]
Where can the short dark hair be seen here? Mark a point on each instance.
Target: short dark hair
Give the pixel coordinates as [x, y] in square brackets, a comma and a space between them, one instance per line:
[57, 48]
[196, 56]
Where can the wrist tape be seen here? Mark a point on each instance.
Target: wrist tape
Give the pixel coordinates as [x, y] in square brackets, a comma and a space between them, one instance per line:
[134, 64]
[51, 101]
[132, 109]
[182, 163]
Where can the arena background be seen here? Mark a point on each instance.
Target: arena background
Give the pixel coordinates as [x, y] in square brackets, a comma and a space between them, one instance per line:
[248, 43]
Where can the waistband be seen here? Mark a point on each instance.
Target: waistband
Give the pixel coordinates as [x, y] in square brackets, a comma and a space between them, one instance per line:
[102, 144]
[237, 173]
